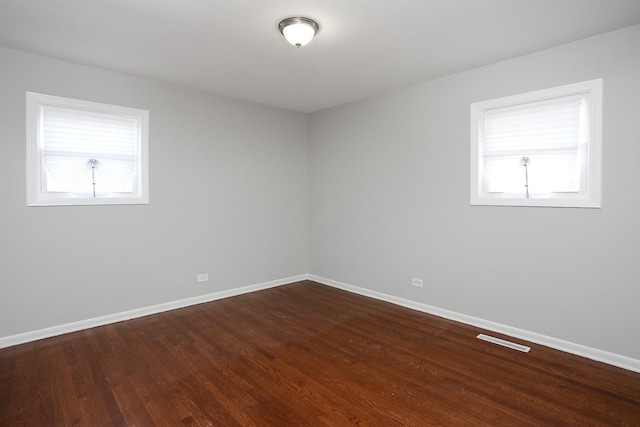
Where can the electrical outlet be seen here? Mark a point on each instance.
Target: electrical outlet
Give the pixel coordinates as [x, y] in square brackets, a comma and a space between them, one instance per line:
[203, 277]
[416, 282]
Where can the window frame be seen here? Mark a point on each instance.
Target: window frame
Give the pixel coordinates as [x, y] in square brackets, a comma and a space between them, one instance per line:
[37, 194]
[590, 195]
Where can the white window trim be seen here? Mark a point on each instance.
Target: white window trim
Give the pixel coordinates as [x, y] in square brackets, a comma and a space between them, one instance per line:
[591, 197]
[37, 194]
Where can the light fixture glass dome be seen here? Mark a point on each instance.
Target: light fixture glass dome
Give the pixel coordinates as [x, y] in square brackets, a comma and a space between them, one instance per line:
[298, 30]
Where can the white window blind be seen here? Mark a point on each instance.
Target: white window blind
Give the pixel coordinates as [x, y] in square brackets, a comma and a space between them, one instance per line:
[537, 146]
[540, 148]
[91, 154]
[85, 153]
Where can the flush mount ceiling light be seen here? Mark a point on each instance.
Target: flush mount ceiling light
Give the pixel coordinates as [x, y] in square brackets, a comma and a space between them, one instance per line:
[298, 30]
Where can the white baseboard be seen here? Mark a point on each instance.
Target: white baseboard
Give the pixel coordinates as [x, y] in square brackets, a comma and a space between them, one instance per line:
[140, 312]
[566, 346]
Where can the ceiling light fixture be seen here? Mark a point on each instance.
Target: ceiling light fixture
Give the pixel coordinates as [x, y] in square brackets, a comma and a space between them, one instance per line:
[298, 30]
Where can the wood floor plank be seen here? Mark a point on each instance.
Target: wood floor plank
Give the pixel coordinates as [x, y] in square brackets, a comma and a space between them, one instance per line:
[304, 355]
[304, 358]
[387, 368]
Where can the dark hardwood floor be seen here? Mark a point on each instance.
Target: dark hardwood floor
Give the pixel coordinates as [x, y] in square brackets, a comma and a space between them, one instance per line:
[303, 355]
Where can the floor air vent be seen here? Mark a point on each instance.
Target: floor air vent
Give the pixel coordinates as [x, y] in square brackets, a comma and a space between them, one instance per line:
[504, 343]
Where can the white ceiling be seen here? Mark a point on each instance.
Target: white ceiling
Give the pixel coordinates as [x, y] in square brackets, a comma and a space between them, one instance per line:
[364, 47]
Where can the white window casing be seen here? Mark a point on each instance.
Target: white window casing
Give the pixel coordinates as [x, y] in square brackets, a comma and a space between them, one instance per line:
[540, 148]
[85, 153]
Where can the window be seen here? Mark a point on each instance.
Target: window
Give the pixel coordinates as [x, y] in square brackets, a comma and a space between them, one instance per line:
[85, 153]
[538, 149]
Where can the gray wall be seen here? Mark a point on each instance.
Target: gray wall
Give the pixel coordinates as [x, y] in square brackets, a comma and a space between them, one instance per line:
[373, 193]
[228, 192]
[389, 200]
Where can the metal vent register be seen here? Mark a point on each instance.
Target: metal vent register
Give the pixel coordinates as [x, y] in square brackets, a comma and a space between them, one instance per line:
[504, 343]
